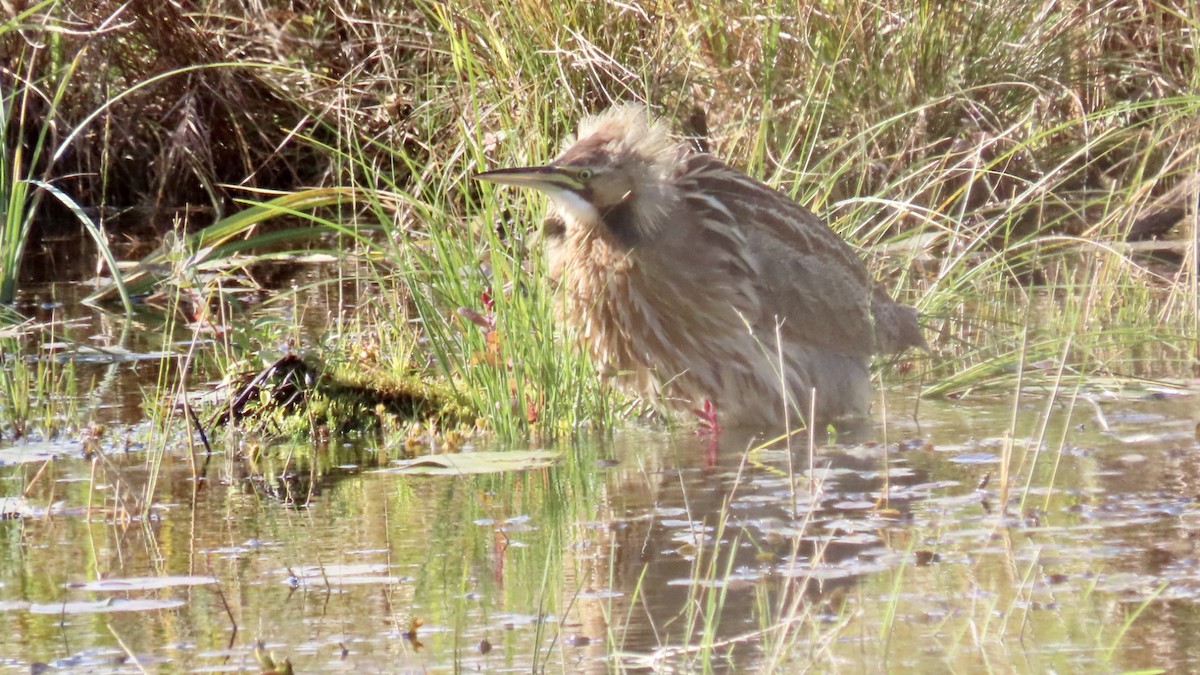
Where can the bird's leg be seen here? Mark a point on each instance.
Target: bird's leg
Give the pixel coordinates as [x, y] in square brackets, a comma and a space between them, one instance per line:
[708, 419]
[711, 428]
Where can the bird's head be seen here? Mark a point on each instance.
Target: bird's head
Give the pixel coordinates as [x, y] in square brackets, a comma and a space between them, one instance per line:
[616, 176]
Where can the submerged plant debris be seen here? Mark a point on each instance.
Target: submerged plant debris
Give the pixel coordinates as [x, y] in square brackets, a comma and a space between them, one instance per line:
[289, 393]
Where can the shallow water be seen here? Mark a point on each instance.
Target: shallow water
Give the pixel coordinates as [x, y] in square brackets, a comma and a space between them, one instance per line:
[644, 551]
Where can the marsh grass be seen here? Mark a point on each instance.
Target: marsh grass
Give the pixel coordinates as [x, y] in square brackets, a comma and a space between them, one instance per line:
[515, 366]
[31, 92]
[39, 395]
[975, 155]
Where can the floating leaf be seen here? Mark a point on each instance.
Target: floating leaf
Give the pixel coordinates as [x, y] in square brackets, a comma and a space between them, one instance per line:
[476, 462]
[39, 451]
[340, 575]
[144, 583]
[105, 606]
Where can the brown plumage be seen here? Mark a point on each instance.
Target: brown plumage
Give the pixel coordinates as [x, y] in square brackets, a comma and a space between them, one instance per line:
[690, 281]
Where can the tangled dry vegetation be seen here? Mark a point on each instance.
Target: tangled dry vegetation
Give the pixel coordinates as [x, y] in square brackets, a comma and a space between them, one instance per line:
[960, 109]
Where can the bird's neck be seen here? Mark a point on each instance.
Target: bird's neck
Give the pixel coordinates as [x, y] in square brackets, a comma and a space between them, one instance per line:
[635, 220]
[620, 223]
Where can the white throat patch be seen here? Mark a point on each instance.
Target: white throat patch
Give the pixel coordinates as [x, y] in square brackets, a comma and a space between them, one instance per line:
[574, 206]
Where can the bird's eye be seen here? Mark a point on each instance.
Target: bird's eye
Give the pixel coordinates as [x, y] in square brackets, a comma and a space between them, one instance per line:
[584, 174]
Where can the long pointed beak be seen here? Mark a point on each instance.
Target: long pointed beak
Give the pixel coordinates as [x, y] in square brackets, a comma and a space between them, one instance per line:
[544, 178]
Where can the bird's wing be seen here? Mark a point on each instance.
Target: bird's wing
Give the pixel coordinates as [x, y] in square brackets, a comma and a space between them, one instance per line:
[807, 277]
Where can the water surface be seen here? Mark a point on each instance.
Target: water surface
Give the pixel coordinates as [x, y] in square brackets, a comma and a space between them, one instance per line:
[886, 548]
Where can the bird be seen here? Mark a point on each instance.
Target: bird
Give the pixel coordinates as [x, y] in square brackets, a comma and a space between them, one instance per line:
[698, 287]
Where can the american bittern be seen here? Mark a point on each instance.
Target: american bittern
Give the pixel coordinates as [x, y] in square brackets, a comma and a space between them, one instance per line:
[692, 282]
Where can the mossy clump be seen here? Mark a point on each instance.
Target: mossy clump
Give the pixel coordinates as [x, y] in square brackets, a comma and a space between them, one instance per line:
[292, 397]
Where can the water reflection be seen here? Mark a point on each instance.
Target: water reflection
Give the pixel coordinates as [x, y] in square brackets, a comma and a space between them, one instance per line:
[649, 551]
[754, 530]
